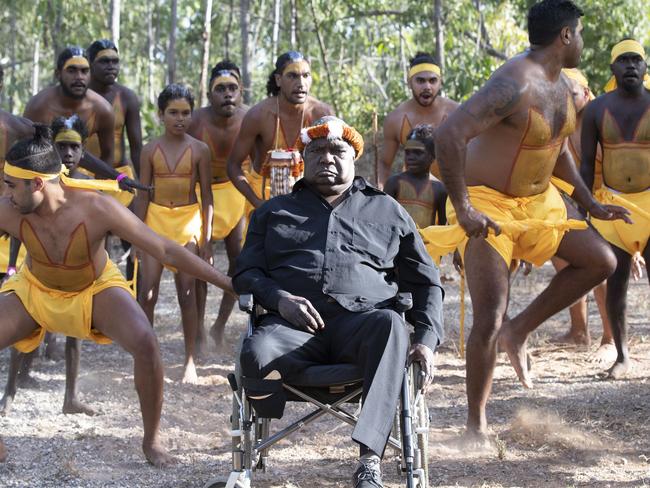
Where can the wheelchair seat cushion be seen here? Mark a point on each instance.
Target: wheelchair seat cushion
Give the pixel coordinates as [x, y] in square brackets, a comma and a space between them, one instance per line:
[321, 375]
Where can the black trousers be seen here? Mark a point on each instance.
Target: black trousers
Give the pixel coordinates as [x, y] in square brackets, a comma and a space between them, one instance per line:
[376, 341]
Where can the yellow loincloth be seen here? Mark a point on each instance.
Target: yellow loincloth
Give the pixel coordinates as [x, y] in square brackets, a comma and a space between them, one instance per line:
[124, 197]
[531, 227]
[629, 237]
[4, 254]
[229, 208]
[179, 224]
[63, 312]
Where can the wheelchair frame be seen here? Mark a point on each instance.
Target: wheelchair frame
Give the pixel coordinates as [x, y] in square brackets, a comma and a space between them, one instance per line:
[252, 440]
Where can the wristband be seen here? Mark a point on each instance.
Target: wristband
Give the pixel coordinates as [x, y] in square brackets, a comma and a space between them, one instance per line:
[120, 177]
[11, 270]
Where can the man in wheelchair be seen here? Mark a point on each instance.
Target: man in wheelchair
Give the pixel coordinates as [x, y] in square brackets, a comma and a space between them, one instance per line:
[327, 261]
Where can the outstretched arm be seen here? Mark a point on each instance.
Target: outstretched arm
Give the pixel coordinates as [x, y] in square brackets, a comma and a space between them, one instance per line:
[127, 226]
[499, 98]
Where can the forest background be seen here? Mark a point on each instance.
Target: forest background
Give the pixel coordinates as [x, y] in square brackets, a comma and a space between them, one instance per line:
[359, 49]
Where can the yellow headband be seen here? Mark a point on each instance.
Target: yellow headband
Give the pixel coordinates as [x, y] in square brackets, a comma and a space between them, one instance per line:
[223, 80]
[76, 60]
[105, 53]
[296, 66]
[26, 174]
[68, 135]
[627, 46]
[578, 76]
[179, 104]
[419, 68]
[414, 144]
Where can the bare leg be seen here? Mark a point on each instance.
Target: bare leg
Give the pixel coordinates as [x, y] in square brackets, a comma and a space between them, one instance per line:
[616, 306]
[151, 271]
[15, 324]
[53, 349]
[233, 247]
[25, 379]
[71, 403]
[119, 317]
[487, 279]
[201, 299]
[590, 261]
[186, 291]
[606, 352]
[579, 331]
[15, 362]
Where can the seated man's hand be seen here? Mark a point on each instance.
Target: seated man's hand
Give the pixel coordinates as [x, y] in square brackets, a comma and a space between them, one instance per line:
[300, 312]
[423, 355]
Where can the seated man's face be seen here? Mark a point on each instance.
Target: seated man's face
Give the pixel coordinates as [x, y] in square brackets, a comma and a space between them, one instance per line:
[329, 165]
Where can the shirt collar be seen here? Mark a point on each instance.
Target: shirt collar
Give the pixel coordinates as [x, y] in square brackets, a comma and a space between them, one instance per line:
[359, 183]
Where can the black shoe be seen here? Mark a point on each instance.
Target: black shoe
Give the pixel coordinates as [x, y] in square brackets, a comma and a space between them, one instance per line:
[368, 474]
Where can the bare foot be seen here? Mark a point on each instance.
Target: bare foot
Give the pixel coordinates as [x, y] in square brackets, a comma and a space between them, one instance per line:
[75, 406]
[5, 404]
[473, 441]
[156, 455]
[573, 338]
[605, 354]
[217, 334]
[516, 350]
[619, 370]
[3, 452]
[189, 375]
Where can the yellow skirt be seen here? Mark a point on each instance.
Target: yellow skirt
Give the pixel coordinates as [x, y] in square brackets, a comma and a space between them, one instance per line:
[4, 254]
[63, 312]
[229, 208]
[179, 224]
[531, 227]
[633, 237]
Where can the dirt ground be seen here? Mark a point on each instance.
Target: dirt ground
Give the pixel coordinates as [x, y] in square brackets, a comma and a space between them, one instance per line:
[573, 429]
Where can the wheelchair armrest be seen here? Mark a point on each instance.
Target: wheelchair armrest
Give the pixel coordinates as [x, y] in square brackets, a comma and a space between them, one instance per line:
[403, 302]
[246, 302]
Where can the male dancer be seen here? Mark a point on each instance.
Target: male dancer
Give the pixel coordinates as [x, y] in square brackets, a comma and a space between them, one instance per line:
[426, 106]
[218, 126]
[497, 154]
[620, 122]
[274, 123]
[68, 285]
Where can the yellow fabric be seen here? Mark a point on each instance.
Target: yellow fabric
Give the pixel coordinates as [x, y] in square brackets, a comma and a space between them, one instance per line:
[633, 237]
[4, 254]
[68, 313]
[627, 46]
[102, 185]
[256, 180]
[562, 185]
[229, 208]
[123, 196]
[68, 135]
[77, 61]
[172, 184]
[419, 68]
[611, 84]
[531, 227]
[179, 224]
[578, 76]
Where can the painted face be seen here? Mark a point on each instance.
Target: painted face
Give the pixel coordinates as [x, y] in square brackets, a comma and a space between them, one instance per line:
[417, 160]
[329, 165]
[425, 87]
[177, 116]
[70, 153]
[74, 79]
[629, 69]
[225, 95]
[21, 194]
[106, 67]
[295, 81]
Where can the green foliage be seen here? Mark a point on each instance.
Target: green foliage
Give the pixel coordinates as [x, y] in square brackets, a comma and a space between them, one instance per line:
[367, 44]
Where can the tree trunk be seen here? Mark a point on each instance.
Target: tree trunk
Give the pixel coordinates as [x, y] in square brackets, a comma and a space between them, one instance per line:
[171, 51]
[294, 25]
[226, 34]
[257, 27]
[54, 12]
[277, 9]
[323, 55]
[35, 70]
[438, 29]
[11, 76]
[150, 52]
[207, 32]
[244, 21]
[116, 6]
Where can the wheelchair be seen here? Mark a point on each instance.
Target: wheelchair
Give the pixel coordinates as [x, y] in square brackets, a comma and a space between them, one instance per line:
[329, 388]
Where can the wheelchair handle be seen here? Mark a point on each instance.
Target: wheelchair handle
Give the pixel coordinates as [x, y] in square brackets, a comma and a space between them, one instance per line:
[246, 302]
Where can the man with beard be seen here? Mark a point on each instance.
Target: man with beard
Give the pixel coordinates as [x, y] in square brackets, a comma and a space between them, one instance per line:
[497, 154]
[72, 96]
[426, 107]
[274, 124]
[104, 70]
[620, 122]
[218, 126]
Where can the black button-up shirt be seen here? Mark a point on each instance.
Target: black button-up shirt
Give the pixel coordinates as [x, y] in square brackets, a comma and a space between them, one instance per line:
[360, 253]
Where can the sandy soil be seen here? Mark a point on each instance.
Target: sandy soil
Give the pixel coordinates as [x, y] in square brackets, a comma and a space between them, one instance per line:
[573, 429]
